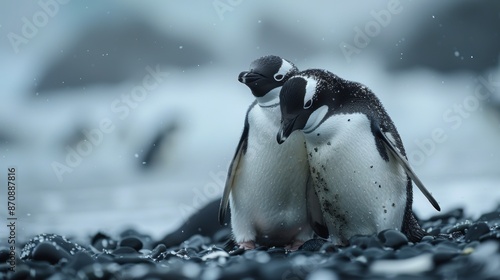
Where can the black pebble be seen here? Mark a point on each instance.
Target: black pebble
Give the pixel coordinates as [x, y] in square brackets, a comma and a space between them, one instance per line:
[427, 238]
[79, 261]
[4, 255]
[160, 248]
[49, 252]
[407, 252]
[443, 257]
[392, 238]
[352, 252]
[424, 247]
[105, 258]
[101, 242]
[62, 246]
[132, 242]
[21, 274]
[124, 251]
[475, 231]
[458, 228]
[374, 253]
[365, 242]
[100, 271]
[458, 249]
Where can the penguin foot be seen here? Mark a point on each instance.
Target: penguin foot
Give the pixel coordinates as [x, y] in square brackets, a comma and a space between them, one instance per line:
[247, 245]
[294, 246]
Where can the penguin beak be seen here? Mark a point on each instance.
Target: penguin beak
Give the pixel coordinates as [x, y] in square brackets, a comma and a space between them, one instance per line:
[287, 127]
[247, 77]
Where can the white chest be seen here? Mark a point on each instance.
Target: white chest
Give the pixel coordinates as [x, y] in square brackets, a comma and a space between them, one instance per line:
[360, 192]
[269, 193]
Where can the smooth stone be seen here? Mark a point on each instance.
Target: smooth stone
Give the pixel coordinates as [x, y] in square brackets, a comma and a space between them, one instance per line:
[105, 258]
[282, 269]
[79, 261]
[125, 251]
[476, 231]
[101, 271]
[407, 252]
[392, 238]
[4, 255]
[158, 250]
[20, 274]
[245, 270]
[462, 227]
[427, 238]
[365, 242]
[424, 247]
[60, 241]
[101, 242]
[132, 242]
[374, 253]
[442, 257]
[49, 252]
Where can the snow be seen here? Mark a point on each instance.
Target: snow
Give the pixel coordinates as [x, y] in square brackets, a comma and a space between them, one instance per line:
[109, 190]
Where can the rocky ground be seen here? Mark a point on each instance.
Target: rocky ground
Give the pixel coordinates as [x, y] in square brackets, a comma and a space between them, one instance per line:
[456, 248]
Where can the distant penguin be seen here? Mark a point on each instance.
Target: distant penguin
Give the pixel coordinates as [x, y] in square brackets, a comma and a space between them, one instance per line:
[267, 184]
[356, 156]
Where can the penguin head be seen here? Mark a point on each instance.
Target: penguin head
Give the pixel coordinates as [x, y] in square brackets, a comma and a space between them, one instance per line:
[305, 100]
[267, 74]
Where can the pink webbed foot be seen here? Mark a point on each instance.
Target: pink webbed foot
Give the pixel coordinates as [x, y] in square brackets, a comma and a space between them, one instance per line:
[294, 246]
[247, 245]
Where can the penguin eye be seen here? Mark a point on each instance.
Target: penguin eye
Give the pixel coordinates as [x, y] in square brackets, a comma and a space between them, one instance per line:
[308, 104]
[278, 77]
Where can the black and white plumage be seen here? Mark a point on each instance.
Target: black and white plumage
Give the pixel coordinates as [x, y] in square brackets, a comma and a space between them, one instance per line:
[357, 159]
[267, 183]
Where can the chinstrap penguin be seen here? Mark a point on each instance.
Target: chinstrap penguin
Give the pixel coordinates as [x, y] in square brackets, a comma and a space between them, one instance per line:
[267, 183]
[356, 156]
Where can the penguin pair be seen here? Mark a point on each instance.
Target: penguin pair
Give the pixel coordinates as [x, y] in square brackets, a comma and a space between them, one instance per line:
[344, 174]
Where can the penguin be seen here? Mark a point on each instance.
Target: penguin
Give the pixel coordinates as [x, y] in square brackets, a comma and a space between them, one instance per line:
[268, 186]
[356, 157]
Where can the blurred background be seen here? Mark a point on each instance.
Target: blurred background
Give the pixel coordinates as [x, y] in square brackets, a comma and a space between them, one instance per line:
[127, 113]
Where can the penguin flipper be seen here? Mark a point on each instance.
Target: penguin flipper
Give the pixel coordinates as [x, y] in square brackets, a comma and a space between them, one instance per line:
[229, 185]
[406, 165]
[314, 213]
[233, 171]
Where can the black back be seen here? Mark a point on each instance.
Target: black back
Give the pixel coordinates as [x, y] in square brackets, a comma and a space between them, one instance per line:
[346, 97]
[263, 75]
